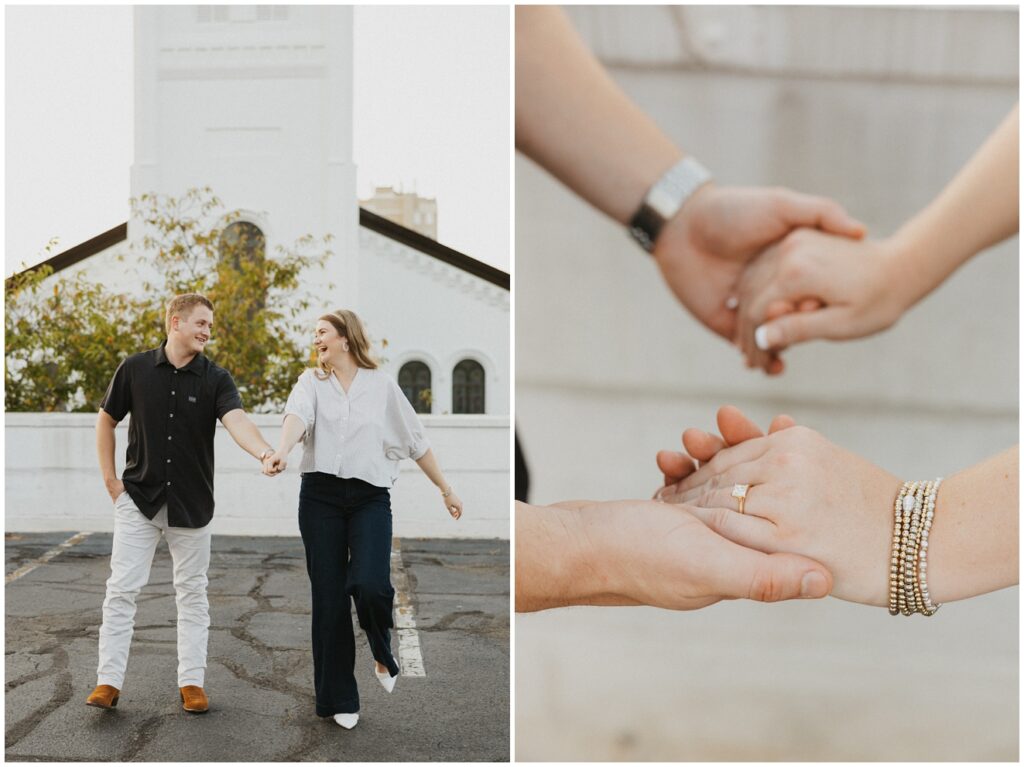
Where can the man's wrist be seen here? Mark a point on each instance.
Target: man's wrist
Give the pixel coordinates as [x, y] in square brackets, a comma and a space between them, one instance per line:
[561, 558]
[589, 568]
[665, 199]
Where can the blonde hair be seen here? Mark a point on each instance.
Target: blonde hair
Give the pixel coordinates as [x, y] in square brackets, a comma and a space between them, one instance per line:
[183, 305]
[349, 326]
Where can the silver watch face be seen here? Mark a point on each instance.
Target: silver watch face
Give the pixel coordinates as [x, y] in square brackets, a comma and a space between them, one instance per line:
[665, 198]
[676, 187]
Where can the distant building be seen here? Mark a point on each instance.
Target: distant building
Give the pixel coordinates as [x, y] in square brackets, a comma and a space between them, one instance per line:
[405, 208]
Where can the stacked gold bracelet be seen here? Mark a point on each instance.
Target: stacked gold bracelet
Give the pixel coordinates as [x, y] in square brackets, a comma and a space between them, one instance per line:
[908, 566]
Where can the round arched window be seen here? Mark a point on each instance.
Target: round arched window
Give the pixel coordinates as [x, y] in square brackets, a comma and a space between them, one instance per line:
[414, 381]
[242, 241]
[468, 387]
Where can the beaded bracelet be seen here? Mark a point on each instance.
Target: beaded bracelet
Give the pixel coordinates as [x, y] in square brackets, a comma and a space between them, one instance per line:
[914, 599]
[929, 607]
[913, 512]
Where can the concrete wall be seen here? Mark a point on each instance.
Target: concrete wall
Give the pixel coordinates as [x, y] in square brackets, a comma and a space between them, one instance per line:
[52, 482]
[878, 108]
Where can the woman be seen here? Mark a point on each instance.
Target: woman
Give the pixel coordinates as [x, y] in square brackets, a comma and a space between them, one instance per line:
[356, 425]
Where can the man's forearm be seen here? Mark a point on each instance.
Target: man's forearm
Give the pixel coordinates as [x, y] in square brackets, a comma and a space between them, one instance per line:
[245, 433]
[573, 120]
[556, 564]
[105, 446]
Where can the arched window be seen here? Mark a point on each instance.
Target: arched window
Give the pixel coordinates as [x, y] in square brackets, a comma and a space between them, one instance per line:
[244, 248]
[242, 240]
[468, 387]
[414, 381]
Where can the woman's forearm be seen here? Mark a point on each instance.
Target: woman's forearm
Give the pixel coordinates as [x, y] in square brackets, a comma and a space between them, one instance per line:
[578, 124]
[976, 210]
[973, 546]
[429, 466]
[291, 432]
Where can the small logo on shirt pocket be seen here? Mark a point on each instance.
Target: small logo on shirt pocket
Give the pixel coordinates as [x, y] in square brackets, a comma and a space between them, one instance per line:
[192, 399]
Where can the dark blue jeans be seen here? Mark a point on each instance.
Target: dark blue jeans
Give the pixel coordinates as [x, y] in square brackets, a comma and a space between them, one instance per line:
[346, 530]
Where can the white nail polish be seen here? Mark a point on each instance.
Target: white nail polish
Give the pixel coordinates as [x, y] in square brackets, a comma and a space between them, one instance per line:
[761, 338]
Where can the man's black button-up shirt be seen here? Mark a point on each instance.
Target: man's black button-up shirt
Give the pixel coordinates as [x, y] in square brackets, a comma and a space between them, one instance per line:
[170, 435]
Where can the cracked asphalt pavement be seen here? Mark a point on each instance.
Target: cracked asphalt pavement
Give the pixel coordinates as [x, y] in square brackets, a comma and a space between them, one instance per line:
[260, 670]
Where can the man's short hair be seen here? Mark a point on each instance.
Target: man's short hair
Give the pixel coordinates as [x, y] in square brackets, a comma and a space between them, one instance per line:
[183, 305]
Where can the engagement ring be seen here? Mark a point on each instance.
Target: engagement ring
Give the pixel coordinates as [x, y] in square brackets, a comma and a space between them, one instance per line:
[740, 492]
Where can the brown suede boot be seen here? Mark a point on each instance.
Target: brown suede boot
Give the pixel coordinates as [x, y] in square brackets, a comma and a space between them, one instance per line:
[193, 699]
[104, 696]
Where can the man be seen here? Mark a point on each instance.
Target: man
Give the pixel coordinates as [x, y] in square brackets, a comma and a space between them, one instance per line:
[175, 396]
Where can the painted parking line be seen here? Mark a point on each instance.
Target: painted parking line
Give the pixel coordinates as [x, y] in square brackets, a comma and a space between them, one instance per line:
[28, 567]
[409, 656]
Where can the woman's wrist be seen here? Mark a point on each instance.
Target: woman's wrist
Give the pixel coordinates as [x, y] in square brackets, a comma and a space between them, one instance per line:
[973, 548]
[922, 258]
[906, 275]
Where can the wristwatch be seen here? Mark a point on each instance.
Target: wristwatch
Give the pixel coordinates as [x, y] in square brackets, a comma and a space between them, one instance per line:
[665, 198]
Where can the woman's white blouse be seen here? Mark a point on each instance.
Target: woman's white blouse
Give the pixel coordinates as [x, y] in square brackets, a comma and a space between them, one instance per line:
[363, 434]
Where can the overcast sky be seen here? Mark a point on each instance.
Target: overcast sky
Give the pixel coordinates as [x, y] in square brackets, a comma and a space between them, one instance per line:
[431, 114]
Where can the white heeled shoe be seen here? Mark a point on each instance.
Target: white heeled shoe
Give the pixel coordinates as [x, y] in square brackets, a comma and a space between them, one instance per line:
[384, 677]
[348, 721]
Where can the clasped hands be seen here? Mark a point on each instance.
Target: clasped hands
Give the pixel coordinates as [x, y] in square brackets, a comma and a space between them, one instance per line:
[806, 497]
[275, 463]
[816, 522]
[793, 265]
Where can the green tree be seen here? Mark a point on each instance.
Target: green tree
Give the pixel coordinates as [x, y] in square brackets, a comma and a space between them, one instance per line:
[66, 335]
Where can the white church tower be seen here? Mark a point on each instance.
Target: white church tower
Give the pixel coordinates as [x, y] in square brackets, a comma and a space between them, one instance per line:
[256, 103]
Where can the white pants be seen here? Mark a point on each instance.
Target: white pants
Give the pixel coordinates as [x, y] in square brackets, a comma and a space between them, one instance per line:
[135, 541]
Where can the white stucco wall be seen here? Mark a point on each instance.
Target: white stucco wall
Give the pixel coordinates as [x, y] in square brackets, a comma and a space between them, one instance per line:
[436, 313]
[52, 481]
[878, 108]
